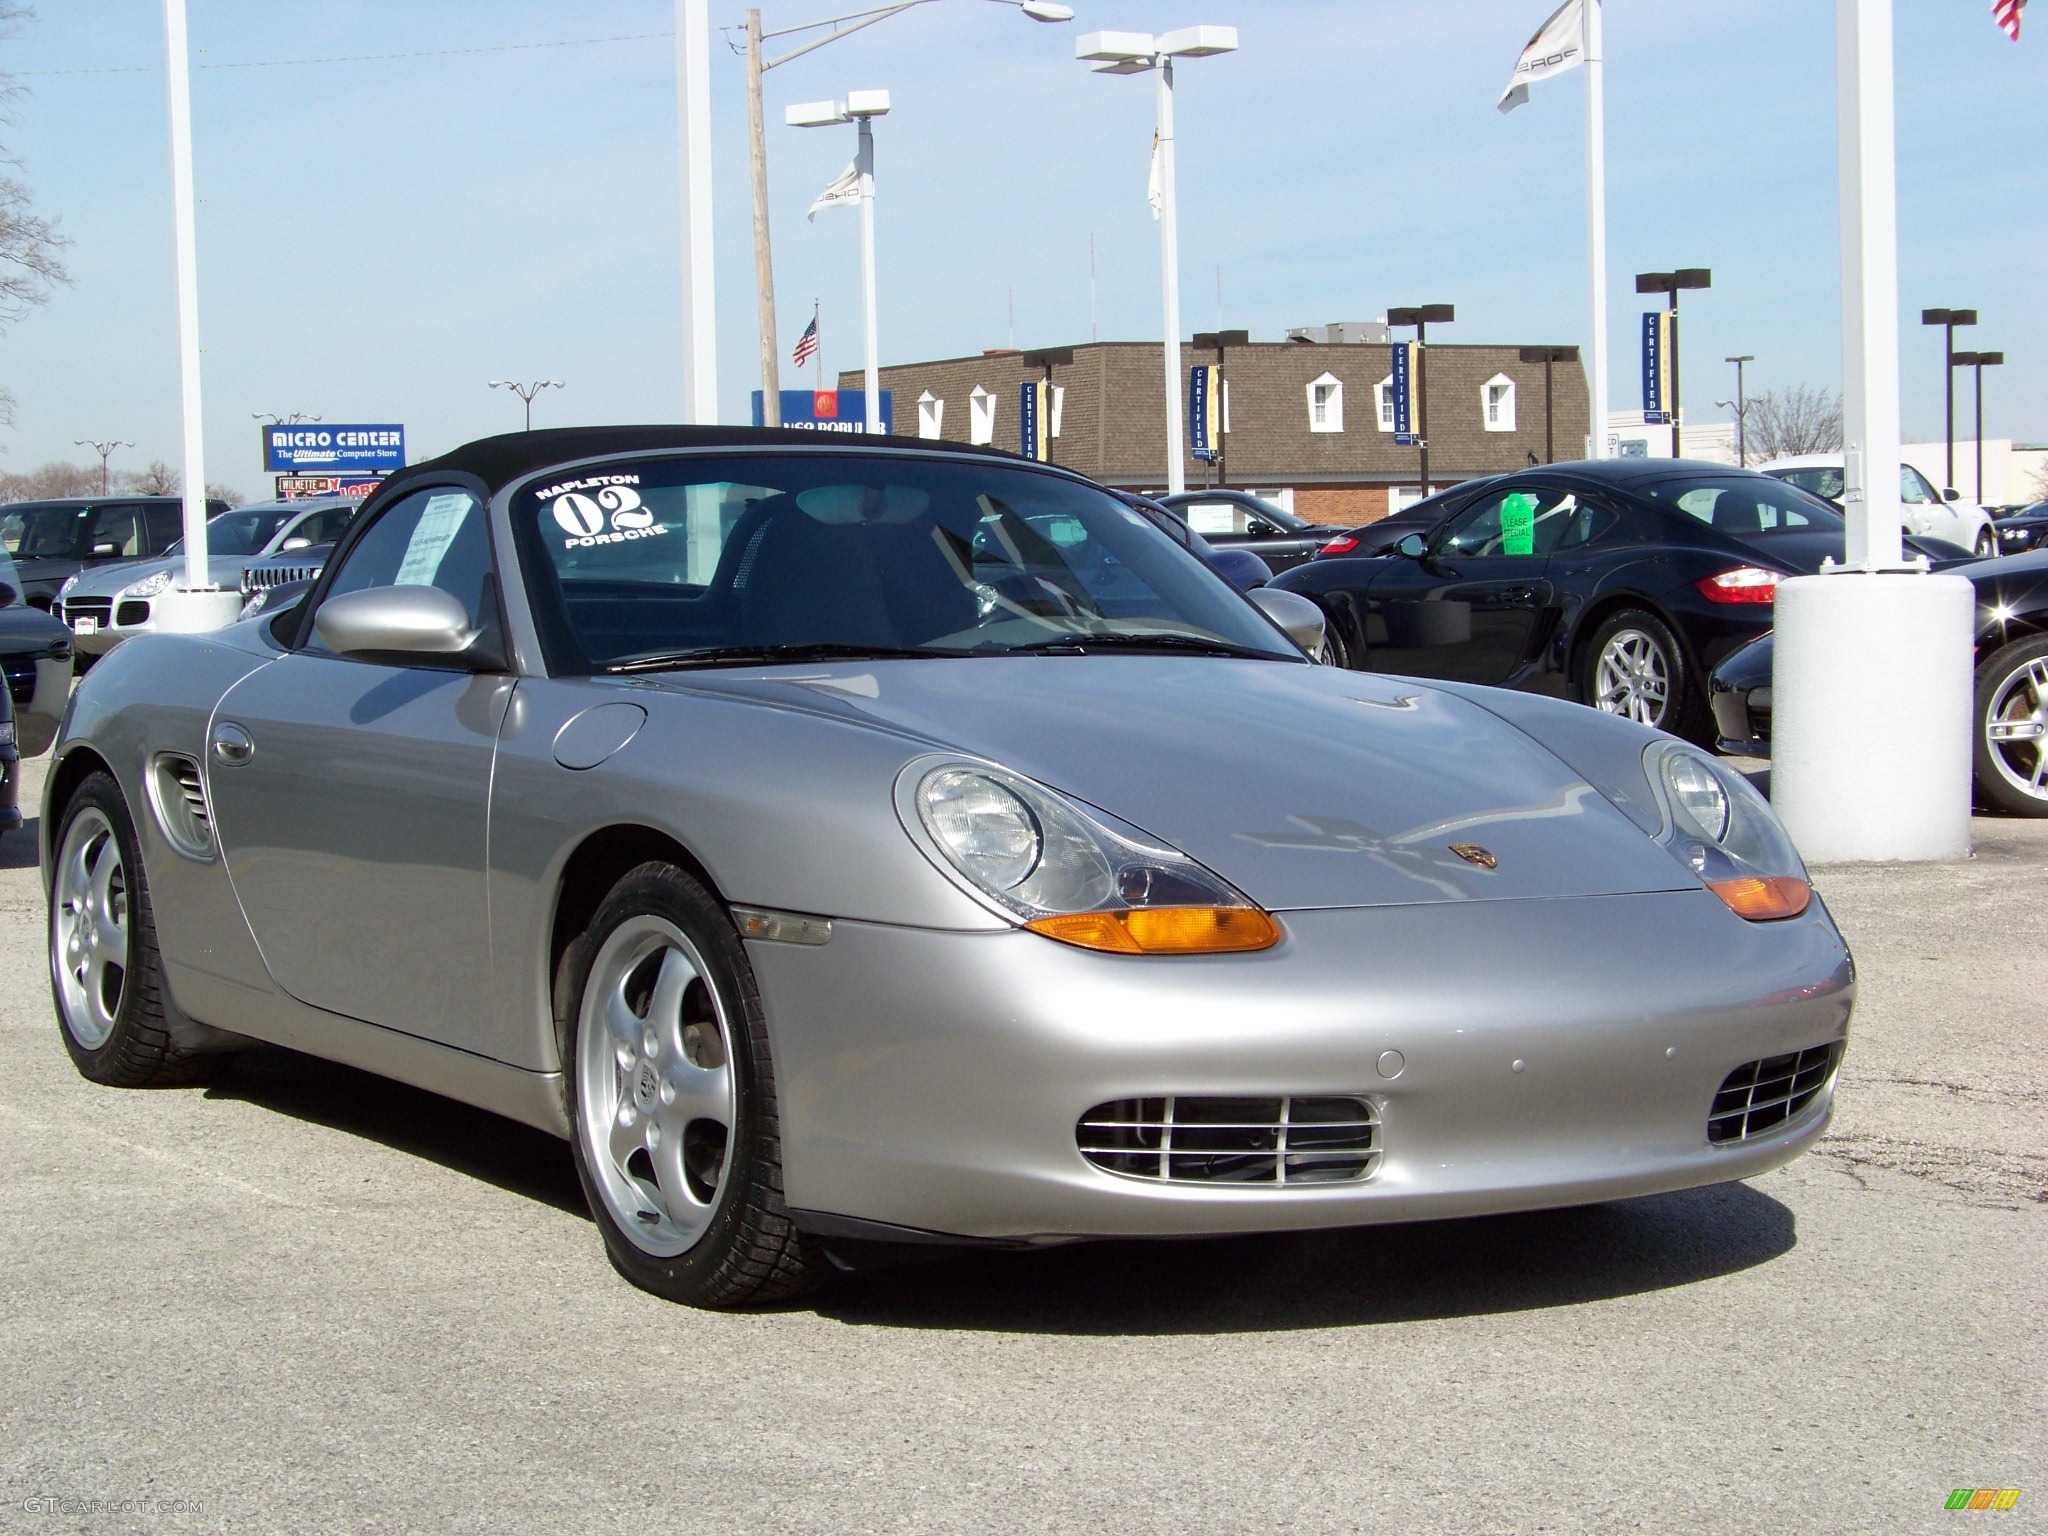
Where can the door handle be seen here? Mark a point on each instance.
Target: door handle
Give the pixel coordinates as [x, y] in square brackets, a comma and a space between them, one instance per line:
[1519, 594]
[232, 744]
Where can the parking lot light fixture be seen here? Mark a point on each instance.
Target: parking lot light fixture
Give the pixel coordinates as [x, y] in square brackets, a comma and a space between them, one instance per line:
[1669, 284]
[1741, 404]
[526, 392]
[1420, 316]
[1948, 320]
[1979, 361]
[104, 450]
[1137, 53]
[1549, 356]
[861, 108]
[834, 28]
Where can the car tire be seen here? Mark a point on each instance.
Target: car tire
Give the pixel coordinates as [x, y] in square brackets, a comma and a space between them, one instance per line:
[1333, 652]
[106, 975]
[1987, 542]
[670, 1094]
[1635, 667]
[2012, 692]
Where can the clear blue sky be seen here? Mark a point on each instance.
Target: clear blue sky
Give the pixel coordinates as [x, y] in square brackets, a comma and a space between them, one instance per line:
[380, 238]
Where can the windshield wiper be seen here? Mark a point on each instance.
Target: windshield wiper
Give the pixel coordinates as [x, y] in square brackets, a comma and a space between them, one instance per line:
[1081, 644]
[746, 655]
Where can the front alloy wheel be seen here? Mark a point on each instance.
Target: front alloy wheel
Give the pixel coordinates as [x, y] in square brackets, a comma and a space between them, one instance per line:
[2011, 747]
[1632, 677]
[1987, 542]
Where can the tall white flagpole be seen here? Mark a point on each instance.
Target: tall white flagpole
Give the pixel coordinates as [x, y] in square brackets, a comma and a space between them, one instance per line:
[693, 130]
[186, 240]
[1596, 214]
[1169, 259]
[873, 371]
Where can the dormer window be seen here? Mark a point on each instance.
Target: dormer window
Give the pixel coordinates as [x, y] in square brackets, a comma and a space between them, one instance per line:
[931, 414]
[1497, 403]
[1383, 402]
[981, 417]
[1326, 404]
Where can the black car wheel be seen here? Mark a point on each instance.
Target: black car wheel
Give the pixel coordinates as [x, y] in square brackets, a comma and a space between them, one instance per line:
[671, 1099]
[1333, 652]
[1987, 542]
[2011, 735]
[1635, 667]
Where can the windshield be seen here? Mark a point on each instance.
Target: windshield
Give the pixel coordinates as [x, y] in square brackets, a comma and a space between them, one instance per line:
[1747, 505]
[43, 533]
[700, 560]
[239, 533]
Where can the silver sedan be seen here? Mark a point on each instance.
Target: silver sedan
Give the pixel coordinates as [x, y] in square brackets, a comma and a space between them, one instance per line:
[856, 846]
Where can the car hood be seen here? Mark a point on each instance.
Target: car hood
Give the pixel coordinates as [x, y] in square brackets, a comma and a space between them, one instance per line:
[1303, 786]
[111, 580]
[47, 568]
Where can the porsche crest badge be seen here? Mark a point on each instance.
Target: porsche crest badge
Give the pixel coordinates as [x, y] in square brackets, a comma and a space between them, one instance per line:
[1472, 853]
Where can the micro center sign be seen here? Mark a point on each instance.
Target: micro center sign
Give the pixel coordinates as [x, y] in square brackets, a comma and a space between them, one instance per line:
[305, 448]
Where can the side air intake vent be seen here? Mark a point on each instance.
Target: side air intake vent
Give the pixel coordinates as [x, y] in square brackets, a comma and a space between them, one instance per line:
[1761, 1096]
[1278, 1141]
[181, 807]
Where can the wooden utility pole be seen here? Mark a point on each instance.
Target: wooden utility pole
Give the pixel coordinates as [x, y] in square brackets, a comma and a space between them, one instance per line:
[764, 270]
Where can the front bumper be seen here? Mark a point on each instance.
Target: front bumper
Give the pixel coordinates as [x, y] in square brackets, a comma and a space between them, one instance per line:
[1553, 1053]
[1742, 719]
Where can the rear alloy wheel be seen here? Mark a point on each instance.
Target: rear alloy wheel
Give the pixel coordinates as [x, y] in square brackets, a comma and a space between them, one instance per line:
[1634, 668]
[1333, 652]
[105, 973]
[1987, 542]
[2011, 738]
[672, 1100]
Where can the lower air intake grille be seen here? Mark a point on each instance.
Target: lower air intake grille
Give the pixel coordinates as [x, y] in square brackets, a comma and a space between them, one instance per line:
[1763, 1095]
[1184, 1140]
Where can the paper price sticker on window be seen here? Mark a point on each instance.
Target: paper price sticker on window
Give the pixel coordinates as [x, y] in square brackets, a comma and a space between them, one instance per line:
[1518, 524]
[437, 528]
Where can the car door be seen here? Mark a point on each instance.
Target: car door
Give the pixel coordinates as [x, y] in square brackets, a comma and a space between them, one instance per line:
[162, 526]
[1467, 609]
[351, 797]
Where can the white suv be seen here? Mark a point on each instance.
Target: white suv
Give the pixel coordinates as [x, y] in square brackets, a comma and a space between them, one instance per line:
[1926, 512]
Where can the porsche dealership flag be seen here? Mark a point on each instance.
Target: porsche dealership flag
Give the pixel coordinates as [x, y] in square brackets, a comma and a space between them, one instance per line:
[1152, 189]
[845, 188]
[2007, 14]
[1559, 45]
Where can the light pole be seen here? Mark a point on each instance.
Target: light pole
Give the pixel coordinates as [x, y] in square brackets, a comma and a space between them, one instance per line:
[693, 135]
[1218, 340]
[1948, 320]
[757, 154]
[526, 392]
[1979, 361]
[1548, 356]
[1741, 410]
[105, 450]
[1046, 359]
[1668, 283]
[1420, 316]
[1137, 53]
[861, 107]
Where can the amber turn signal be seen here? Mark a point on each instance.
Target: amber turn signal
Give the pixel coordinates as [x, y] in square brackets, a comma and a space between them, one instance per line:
[1164, 930]
[1763, 900]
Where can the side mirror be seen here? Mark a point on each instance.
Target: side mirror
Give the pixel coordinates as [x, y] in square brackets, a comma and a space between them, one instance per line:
[8, 596]
[105, 549]
[1300, 618]
[1259, 528]
[296, 542]
[399, 624]
[1950, 495]
[1413, 545]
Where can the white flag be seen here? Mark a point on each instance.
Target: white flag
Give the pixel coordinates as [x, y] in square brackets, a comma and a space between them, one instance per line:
[845, 188]
[1559, 45]
[1153, 194]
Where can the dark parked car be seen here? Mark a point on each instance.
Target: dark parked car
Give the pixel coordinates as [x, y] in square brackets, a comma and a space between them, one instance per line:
[35, 656]
[1242, 568]
[2024, 530]
[1620, 583]
[1417, 517]
[52, 541]
[2009, 730]
[1240, 520]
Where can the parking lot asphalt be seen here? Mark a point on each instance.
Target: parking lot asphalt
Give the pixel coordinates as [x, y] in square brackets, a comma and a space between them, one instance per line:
[303, 1299]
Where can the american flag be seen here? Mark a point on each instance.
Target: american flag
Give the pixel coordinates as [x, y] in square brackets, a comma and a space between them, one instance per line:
[2007, 14]
[806, 344]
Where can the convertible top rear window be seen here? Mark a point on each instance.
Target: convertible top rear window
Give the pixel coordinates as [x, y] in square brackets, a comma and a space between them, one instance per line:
[698, 560]
[1747, 505]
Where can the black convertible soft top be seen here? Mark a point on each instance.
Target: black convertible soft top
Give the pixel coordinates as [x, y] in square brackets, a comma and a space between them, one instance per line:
[498, 461]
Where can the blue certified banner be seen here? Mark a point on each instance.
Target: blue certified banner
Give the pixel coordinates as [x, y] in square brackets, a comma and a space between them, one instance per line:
[1403, 388]
[829, 410]
[313, 448]
[1030, 428]
[1656, 367]
[1201, 442]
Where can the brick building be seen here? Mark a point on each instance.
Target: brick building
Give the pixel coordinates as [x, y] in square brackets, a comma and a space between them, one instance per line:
[1311, 424]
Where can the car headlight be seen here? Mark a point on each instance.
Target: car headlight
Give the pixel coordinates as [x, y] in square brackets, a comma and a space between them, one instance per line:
[255, 603]
[1063, 871]
[149, 586]
[1719, 827]
[7, 737]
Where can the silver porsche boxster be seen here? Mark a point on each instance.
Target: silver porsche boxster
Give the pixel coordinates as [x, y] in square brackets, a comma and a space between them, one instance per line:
[858, 844]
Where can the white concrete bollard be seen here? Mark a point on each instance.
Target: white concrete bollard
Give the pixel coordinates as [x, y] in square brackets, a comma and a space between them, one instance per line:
[183, 612]
[1871, 684]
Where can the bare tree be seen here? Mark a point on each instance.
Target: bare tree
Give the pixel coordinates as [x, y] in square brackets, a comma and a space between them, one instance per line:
[226, 493]
[30, 265]
[2041, 484]
[157, 479]
[1796, 419]
[53, 479]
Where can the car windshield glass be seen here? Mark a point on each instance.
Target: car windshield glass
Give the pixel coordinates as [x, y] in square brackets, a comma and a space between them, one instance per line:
[1747, 505]
[238, 533]
[746, 558]
[43, 533]
[1820, 479]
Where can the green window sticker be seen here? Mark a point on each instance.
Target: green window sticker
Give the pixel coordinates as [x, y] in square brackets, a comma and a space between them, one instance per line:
[1518, 524]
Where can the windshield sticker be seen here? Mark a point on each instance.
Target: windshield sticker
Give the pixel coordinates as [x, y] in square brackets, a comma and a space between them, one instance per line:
[437, 528]
[604, 509]
[1518, 524]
